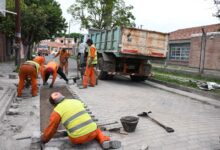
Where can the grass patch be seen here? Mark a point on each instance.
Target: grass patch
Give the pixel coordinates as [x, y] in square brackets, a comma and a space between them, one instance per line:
[177, 78]
[185, 75]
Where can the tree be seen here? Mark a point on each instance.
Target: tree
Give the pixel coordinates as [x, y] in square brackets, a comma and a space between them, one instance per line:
[102, 14]
[40, 19]
[217, 4]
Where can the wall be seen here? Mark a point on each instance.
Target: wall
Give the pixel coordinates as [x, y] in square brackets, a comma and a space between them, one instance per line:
[212, 51]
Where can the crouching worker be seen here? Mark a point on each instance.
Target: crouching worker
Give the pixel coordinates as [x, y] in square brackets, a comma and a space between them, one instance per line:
[80, 128]
[52, 68]
[28, 69]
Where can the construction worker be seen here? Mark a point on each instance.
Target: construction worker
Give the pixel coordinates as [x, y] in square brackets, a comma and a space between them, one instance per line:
[64, 55]
[53, 68]
[40, 60]
[90, 65]
[79, 125]
[29, 69]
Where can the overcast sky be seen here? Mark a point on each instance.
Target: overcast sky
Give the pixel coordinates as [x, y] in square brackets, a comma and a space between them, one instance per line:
[162, 15]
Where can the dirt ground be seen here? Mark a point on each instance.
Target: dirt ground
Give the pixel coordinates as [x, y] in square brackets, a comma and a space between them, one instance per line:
[45, 107]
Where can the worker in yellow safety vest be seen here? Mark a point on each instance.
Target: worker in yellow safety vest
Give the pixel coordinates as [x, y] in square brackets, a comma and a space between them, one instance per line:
[28, 69]
[79, 125]
[90, 65]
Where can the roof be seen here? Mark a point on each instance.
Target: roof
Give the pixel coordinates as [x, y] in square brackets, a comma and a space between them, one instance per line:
[183, 34]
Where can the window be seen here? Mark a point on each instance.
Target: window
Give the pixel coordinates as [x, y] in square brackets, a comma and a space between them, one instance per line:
[179, 52]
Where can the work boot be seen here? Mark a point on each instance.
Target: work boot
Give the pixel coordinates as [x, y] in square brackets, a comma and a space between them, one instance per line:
[34, 94]
[45, 83]
[111, 144]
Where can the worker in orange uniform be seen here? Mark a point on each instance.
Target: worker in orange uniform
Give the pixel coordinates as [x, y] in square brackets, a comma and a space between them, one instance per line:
[79, 125]
[29, 69]
[64, 55]
[90, 65]
[53, 68]
[40, 60]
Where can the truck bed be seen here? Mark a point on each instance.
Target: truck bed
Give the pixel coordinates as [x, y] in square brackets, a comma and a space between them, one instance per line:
[131, 41]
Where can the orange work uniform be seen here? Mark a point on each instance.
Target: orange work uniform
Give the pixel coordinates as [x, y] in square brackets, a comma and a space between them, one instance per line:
[55, 120]
[28, 69]
[40, 60]
[90, 71]
[64, 55]
[54, 67]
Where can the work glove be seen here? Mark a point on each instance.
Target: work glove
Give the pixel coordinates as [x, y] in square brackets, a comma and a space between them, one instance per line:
[51, 85]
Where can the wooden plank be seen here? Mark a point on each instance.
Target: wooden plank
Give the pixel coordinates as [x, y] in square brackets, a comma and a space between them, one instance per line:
[46, 108]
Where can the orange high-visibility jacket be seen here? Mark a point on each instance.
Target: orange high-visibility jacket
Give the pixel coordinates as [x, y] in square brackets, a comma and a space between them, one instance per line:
[63, 56]
[54, 66]
[39, 59]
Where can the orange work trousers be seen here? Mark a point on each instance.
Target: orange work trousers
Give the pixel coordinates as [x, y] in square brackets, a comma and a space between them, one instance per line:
[89, 74]
[64, 67]
[97, 134]
[26, 71]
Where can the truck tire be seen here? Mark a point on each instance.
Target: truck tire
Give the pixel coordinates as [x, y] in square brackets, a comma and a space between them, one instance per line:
[103, 75]
[137, 78]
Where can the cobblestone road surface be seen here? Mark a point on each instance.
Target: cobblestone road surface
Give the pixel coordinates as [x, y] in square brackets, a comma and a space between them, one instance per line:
[196, 124]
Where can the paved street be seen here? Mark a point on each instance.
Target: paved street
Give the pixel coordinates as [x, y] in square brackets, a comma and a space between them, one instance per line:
[196, 124]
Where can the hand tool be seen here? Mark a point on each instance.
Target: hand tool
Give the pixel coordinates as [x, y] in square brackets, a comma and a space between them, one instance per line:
[104, 124]
[118, 130]
[145, 114]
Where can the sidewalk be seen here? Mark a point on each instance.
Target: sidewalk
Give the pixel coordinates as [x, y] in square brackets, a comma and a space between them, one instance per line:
[7, 87]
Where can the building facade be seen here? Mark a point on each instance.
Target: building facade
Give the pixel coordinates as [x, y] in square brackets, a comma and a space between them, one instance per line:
[185, 46]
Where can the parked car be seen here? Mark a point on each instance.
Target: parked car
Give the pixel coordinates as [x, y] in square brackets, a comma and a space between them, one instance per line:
[43, 50]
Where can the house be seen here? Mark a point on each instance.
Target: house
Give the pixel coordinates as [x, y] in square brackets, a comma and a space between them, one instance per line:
[185, 47]
[59, 43]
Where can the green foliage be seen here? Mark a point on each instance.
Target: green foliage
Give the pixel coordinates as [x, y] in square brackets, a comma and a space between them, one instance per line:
[40, 19]
[75, 35]
[102, 14]
[7, 24]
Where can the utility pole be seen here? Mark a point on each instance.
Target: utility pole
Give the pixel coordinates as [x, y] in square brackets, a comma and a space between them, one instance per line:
[17, 33]
[202, 52]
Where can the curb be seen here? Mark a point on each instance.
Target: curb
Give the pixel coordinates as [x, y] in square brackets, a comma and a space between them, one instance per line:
[6, 100]
[188, 92]
[188, 72]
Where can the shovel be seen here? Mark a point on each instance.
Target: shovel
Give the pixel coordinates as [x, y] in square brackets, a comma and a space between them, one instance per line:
[145, 114]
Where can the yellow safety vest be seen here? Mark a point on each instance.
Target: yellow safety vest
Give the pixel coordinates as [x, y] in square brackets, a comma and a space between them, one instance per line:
[89, 56]
[35, 63]
[74, 118]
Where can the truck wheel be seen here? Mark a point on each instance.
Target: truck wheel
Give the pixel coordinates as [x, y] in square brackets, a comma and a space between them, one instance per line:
[137, 78]
[103, 75]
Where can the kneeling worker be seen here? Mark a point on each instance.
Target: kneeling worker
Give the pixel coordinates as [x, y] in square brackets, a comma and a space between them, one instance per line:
[53, 68]
[78, 123]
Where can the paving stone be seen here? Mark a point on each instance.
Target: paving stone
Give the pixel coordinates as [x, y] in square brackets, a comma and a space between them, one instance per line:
[12, 111]
[13, 76]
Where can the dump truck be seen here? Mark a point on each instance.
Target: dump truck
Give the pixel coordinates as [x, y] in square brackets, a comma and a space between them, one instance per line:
[127, 51]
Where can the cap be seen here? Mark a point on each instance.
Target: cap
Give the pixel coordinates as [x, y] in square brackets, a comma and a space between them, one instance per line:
[89, 41]
[49, 70]
[56, 97]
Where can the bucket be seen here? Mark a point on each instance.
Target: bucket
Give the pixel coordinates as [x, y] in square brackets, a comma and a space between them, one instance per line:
[129, 123]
